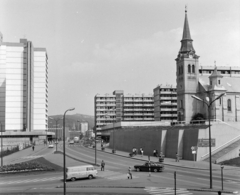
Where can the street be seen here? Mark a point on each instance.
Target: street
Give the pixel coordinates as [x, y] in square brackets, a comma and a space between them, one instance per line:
[114, 179]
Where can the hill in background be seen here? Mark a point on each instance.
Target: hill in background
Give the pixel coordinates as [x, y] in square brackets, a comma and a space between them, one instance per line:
[71, 121]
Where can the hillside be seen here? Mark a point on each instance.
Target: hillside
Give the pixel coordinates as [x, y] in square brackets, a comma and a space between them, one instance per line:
[72, 120]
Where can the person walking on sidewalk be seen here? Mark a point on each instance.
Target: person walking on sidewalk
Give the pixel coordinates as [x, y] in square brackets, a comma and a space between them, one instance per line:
[129, 173]
[33, 147]
[102, 165]
[177, 157]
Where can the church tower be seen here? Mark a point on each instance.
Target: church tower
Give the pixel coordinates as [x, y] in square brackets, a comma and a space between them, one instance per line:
[187, 75]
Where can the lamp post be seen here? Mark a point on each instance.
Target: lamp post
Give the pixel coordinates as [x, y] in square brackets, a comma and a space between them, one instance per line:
[64, 157]
[113, 150]
[56, 120]
[209, 104]
[222, 166]
[1, 145]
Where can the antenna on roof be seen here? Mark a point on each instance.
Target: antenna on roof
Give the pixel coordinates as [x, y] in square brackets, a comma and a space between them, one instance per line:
[215, 63]
[185, 8]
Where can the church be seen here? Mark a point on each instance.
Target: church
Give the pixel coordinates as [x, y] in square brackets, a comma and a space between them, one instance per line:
[218, 86]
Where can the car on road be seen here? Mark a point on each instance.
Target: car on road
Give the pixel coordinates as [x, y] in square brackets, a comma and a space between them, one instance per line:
[50, 146]
[71, 142]
[154, 167]
[83, 171]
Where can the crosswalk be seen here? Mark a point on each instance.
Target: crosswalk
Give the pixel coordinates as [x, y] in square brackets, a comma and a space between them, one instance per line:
[113, 175]
[166, 191]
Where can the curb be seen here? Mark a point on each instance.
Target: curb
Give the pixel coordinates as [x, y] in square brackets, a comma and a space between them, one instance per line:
[142, 187]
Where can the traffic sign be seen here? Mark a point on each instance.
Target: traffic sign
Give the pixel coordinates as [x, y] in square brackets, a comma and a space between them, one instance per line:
[194, 148]
[205, 142]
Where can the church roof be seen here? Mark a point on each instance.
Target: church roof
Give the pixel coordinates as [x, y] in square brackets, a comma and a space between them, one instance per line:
[231, 84]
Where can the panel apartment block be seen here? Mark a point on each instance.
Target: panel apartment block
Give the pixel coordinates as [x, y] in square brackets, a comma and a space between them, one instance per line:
[165, 103]
[119, 107]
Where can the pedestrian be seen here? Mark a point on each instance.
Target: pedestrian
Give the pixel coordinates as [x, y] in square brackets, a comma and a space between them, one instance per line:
[129, 173]
[177, 157]
[142, 152]
[33, 147]
[154, 152]
[102, 165]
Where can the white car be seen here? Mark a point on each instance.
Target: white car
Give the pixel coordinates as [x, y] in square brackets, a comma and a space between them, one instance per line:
[50, 146]
[71, 142]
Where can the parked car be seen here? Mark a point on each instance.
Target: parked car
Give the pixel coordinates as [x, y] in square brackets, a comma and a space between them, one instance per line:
[154, 167]
[50, 146]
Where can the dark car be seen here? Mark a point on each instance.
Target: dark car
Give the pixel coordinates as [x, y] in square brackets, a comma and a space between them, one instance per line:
[154, 167]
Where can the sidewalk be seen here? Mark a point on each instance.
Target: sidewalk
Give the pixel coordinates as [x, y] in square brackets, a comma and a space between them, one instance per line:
[201, 165]
[21, 156]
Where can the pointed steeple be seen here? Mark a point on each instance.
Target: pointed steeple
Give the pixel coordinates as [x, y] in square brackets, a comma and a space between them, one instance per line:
[186, 49]
[186, 31]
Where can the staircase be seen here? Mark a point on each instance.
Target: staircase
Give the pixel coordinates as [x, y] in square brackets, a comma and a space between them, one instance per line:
[216, 154]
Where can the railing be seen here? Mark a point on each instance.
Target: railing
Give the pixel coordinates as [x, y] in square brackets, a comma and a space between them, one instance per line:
[221, 147]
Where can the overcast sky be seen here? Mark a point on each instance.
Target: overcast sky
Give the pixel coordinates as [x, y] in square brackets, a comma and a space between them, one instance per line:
[98, 46]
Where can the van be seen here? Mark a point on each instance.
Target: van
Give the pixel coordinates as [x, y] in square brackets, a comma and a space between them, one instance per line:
[84, 171]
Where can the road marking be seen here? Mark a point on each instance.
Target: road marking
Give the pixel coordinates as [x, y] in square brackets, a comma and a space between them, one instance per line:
[30, 180]
[27, 157]
[112, 175]
[166, 191]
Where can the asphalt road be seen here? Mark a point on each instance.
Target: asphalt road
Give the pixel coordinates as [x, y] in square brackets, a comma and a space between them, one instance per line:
[114, 179]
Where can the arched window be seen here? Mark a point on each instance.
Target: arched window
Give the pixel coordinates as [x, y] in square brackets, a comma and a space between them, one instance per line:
[193, 69]
[189, 68]
[229, 106]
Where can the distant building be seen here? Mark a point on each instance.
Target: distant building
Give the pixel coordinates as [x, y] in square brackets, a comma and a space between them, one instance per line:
[24, 87]
[119, 107]
[165, 103]
[84, 127]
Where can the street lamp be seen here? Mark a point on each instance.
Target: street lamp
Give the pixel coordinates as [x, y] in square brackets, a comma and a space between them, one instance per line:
[64, 157]
[56, 120]
[222, 166]
[209, 104]
[1, 145]
[113, 150]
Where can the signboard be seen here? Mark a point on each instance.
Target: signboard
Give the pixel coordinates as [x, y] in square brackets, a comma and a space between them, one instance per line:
[205, 142]
[194, 152]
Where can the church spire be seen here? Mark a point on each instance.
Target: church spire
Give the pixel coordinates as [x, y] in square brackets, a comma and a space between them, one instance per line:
[186, 49]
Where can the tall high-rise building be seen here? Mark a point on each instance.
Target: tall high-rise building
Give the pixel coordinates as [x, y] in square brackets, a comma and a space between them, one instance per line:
[23, 87]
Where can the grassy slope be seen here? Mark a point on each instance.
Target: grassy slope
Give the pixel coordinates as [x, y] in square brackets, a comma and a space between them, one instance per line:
[232, 162]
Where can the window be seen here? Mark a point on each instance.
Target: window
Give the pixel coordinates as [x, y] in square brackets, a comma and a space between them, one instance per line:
[219, 82]
[229, 106]
[189, 68]
[210, 82]
[220, 101]
[181, 103]
[179, 70]
[193, 69]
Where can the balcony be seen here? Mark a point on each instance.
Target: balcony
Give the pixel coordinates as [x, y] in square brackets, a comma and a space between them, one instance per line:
[168, 98]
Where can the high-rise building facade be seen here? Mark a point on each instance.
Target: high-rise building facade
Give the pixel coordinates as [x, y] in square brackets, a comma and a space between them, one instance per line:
[119, 107]
[23, 87]
[165, 103]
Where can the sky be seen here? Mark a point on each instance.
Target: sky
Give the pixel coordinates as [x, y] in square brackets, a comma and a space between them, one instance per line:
[98, 46]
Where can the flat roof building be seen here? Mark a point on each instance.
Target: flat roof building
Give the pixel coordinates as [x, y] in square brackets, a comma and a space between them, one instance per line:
[165, 103]
[119, 107]
[23, 87]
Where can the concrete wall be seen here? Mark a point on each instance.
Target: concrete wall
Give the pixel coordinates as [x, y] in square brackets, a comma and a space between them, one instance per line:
[177, 139]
